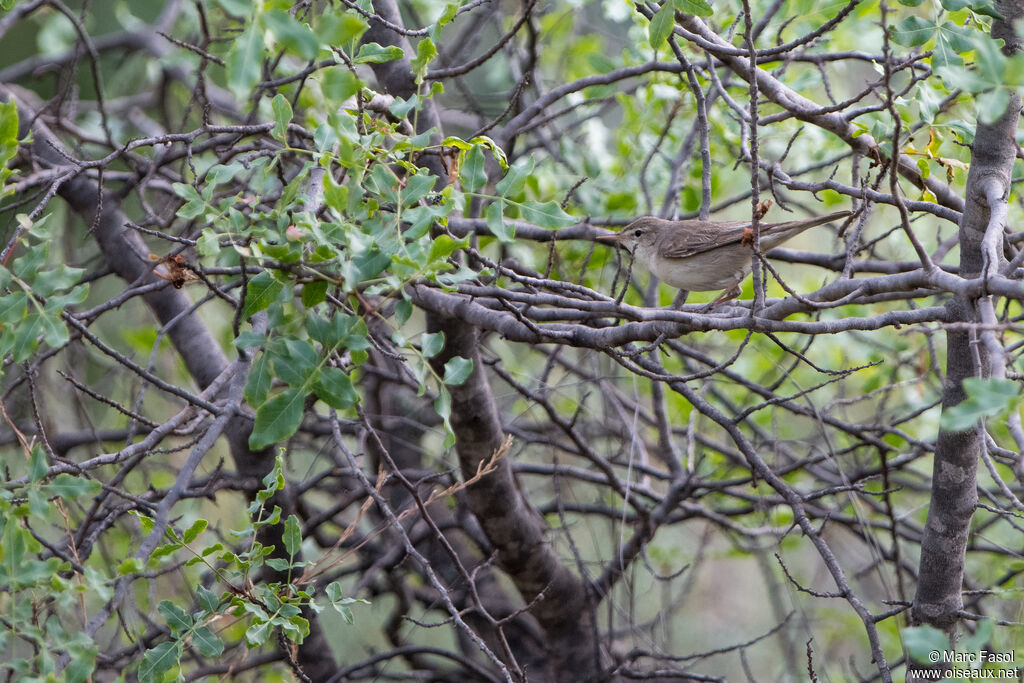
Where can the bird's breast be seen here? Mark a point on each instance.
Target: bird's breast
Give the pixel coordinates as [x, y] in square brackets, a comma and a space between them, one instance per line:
[705, 272]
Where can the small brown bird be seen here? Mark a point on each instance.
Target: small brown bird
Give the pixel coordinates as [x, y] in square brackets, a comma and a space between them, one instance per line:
[704, 256]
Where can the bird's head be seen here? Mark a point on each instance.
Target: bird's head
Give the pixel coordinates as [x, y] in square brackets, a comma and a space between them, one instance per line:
[643, 232]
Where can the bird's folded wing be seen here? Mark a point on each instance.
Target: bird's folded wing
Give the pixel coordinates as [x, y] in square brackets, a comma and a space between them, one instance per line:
[696, 237]
[699, 237]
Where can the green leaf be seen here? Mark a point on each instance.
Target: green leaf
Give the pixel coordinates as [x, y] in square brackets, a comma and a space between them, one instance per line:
[13, 307]
[295, 628]
[37, 465]
[457, 143]
[505, 232]
[70, 487]
[8, 129]
[416, 187]
[208, 243]
[294, 36]
[403, 311]
[55, 279]
[369, 264]
[444, 245]
[236, 8]
[944, 56]
[165, 550]
[334, 388]
[260, 293]
[986, 7]
[257, 634]
[314, 293]
[8, 141]
[661, 24]
[340, 603]
[339, 29]
[372, 53]
[282, 116]
[993, 394]
[425, 53]
[913, 31]
[83, 660]
[295, 361]
[158, 661]
[25, 334]
[985, 398]
[207, 599]
[145, 522]
[247, 339]
[28, 265]
[457, 370]
[546, 214]
[244, 63]
[55, 332]
[620, 201]
[958, 78]
[333, 591]
[222, 173]
[443, 404]
[129, 565]
[209, 644]
[339, 84]
[278, 419]
[279, 564]
[513, 182]
[198, 527]
[336, 196]
[472, 173]
[450, 10]
[922, 641]
[401, 108]
[1014, 74]
[950, 39]
[443, 407]
[340, 330]
[176, 618]
[346, 614]
[977, 641]
[499, 154]
[988, 59]
[962, 39]
[292, 536]
[991, 105]
[431, 343]
[698, 8]
[58, 302]
[257, 385]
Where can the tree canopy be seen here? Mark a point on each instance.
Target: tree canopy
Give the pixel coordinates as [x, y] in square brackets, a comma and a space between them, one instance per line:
[313, 366]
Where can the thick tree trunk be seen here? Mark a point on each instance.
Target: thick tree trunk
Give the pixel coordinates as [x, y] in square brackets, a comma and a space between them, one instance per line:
[558, 599]
[954, 478]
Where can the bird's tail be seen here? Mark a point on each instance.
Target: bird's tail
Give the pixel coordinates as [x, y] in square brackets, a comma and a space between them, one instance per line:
[803, 223]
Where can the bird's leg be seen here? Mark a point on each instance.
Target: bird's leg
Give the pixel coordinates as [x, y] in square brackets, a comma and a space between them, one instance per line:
[726, 295]
[680, 299]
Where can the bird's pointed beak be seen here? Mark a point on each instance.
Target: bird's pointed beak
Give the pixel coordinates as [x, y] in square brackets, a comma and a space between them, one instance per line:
[610, 237]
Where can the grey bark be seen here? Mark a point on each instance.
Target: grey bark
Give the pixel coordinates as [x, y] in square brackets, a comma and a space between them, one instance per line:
[556, 597]
[954, 478]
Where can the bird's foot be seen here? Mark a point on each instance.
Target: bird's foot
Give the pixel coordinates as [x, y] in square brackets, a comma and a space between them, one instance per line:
[726, 295]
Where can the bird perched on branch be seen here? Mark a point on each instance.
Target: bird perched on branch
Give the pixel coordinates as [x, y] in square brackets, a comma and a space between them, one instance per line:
[705, 256]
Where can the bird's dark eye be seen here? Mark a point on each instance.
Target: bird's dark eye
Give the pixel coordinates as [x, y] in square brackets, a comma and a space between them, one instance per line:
[637, 233]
